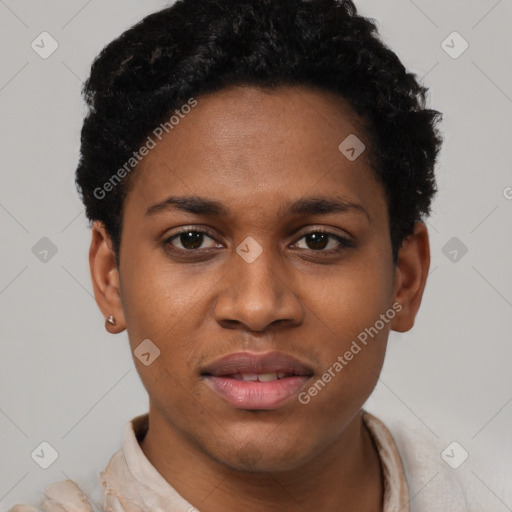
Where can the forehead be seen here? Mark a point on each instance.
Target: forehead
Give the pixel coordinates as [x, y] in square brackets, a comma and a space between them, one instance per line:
[247, 143]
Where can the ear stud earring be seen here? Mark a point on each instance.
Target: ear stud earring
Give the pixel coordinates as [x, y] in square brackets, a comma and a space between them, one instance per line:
[110, 320]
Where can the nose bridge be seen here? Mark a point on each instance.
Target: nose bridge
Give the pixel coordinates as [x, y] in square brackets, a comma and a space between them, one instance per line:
[256, 292]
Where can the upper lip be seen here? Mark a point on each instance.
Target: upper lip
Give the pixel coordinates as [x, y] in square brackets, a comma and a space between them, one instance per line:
[252, 362]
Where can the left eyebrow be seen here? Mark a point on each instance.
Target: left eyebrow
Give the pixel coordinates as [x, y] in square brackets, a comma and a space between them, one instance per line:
[324, 206]
[303, 206]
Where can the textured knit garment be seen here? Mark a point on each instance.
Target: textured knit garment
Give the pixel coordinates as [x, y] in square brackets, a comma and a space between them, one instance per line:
[413, 482]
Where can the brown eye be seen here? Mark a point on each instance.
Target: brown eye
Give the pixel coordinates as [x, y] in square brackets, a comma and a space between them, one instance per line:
[190, 240]
[319, 240]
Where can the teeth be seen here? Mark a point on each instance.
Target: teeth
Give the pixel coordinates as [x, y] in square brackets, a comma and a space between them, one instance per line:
[252, 377]
[267, 377]
[259, 377]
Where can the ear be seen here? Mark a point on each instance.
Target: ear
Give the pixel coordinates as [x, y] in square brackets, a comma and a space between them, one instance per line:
[105, 277]
[411, 277]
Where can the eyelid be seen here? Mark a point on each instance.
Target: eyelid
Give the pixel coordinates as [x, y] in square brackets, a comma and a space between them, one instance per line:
[344, 241]
[199, 229]
[187, 229]
[325, 230]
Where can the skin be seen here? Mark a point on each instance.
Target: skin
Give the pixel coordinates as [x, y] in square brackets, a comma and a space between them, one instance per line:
[255, 151]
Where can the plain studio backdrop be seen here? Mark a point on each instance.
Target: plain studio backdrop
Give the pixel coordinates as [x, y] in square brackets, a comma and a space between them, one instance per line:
[66, 381]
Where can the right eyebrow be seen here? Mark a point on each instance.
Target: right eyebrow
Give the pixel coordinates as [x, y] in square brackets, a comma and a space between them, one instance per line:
[191, 204]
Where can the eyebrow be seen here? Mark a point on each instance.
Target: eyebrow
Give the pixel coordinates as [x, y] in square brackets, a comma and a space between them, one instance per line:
[304, 206]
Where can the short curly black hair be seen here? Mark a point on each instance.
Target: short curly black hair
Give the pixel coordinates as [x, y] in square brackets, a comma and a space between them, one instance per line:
[199, 46]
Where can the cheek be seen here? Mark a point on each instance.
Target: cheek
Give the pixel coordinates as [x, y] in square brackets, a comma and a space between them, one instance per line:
[158, 298]
[349, 301]
[351, 320]
[157, 309]
[345, 383]
[169, 305]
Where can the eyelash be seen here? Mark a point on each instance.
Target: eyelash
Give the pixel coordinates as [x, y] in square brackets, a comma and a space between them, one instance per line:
[344, 242]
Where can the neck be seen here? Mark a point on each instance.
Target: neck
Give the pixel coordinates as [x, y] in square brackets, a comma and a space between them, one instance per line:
[345, 476]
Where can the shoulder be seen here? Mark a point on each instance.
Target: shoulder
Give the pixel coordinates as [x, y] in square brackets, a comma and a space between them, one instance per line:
[91, 494]
[431, 482]
[64, 496]
[24, 508]
[439, 471]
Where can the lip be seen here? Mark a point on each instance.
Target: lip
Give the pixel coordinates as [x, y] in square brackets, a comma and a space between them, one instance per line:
[222, 376]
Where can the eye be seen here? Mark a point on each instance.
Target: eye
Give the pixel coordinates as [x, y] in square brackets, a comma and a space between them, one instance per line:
[190, 239]
[319, 240]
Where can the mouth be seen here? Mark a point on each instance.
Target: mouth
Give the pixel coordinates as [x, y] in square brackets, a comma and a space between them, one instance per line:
[260, 377]
[256, 381]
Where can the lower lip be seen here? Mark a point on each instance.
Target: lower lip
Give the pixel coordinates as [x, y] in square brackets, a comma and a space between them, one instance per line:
[256, 395]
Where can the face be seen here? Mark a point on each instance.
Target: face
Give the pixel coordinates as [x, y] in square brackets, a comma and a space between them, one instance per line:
[261, 276]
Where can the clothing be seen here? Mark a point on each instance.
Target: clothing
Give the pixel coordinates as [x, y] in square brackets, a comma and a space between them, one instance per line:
[131, 484]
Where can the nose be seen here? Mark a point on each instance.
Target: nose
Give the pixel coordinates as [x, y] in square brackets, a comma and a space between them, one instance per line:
[258, 295]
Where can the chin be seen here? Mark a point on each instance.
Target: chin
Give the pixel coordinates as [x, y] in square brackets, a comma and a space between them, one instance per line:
[262, 456]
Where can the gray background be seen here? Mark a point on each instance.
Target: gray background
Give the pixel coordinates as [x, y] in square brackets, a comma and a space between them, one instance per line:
[65, 380]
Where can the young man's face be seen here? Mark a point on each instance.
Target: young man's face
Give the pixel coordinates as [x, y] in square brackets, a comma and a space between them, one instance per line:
[257, 285]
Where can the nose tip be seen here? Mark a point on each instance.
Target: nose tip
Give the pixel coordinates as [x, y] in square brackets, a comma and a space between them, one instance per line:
[255, 296]
[255, 322]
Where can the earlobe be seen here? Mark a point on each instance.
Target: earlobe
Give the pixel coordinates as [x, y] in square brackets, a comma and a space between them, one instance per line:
[411, 277]
[105, 278]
